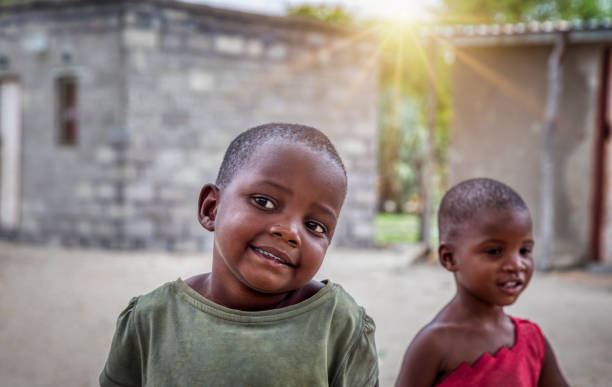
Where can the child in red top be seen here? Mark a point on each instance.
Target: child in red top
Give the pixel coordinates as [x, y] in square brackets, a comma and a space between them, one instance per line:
[486, 242]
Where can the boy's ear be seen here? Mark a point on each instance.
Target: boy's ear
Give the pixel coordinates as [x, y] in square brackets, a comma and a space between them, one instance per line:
[446, 255]
[207, 206]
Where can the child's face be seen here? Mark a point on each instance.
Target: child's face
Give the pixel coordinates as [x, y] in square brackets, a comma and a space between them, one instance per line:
[277, 216]
[493, 256]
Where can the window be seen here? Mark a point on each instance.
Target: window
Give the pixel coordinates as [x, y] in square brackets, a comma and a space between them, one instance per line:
[66, 89]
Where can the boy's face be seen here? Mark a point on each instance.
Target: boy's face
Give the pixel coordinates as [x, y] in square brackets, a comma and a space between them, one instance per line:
[493, 256]
[276, 218]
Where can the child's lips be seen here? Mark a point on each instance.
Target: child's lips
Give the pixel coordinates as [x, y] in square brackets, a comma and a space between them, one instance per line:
[511, 286]
[273, 255]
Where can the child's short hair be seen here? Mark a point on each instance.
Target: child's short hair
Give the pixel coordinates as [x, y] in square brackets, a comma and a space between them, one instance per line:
[242, 147]
[463, 200]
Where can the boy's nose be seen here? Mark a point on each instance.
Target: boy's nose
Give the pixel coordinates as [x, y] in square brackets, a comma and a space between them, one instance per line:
[287, 233]
[514, 263]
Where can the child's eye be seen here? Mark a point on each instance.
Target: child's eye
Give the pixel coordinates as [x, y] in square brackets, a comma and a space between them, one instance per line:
[316, 227]
[525, 251]
[494, 251]
[263, 202]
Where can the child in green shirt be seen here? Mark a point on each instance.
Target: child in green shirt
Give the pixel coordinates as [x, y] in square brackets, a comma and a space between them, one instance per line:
[258, 318]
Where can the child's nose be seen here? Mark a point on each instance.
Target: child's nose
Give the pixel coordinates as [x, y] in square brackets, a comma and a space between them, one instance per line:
[288, 233]
[514, 263]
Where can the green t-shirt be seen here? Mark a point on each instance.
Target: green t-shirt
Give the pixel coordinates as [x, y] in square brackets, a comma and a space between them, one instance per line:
[175, 337]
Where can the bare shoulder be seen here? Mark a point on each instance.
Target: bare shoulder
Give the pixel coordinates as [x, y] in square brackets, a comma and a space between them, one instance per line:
[425, 355]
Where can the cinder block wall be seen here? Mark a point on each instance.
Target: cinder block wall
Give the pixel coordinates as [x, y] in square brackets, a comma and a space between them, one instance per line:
[163, 88]
[196, 80]
[67, 192]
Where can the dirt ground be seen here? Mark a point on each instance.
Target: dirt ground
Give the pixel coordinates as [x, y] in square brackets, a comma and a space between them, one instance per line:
[59, 307]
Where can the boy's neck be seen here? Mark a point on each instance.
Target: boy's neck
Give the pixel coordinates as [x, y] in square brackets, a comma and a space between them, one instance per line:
[243, 298]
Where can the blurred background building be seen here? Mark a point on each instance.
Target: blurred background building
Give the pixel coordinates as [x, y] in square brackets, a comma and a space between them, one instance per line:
[502, 79]
[115, 113]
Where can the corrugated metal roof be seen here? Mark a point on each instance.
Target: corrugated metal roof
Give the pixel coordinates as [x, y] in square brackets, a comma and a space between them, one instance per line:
[534, 32]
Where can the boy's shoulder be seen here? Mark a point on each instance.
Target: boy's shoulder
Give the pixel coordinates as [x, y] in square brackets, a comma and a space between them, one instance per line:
[154, 301]
[345, 306]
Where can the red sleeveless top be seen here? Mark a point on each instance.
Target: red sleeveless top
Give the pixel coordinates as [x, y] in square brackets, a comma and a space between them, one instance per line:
[515, 367]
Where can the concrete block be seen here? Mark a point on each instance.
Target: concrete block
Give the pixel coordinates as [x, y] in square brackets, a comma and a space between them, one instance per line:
[105, 191]
[139, 228]
[200, 42]
[171, 194]
[139, 192]
[84, 227]
[105, 155]
[140, 38]
[277, 51]
[175, 118]
[103, 229]
[172, 82]
[124, 211]
[171, 41]
[30, 226]
[94, 209]
[170, 158]
[187, 176]
[201, 81]
[173, 15]
[84, 191]
[254, 48]
[229, 44]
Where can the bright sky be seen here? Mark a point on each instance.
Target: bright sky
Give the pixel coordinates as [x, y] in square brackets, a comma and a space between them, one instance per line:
[393, 9]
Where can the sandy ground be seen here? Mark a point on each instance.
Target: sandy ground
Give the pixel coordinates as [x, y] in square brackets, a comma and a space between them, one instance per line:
[58, 308]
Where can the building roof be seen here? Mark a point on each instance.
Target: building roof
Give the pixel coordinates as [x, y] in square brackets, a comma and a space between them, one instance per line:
[220, 13]
[530, 33]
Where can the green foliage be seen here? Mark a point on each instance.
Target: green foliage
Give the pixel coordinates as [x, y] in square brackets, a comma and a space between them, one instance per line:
[512, 11]
[405, 74]
[410, 69]
[333, 14]
[396, 228]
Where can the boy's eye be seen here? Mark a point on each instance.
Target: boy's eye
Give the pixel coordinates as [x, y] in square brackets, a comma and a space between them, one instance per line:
[263, 202]
[525, 251]
[316, 227]
[494, 251]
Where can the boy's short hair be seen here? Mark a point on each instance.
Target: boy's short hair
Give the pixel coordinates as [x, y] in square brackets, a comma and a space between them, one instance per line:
[461, 202]
[244, 146]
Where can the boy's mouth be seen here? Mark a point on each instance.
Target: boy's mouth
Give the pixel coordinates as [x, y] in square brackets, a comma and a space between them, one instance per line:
[512, 286]
[273, 257]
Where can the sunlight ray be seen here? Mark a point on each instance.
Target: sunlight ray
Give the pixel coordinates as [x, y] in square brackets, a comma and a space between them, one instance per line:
[282, 70]
[504, 84]
[362, 76]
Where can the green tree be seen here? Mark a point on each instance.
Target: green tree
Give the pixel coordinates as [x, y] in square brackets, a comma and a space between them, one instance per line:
[405, 78]
[333, 14]
[512, 11]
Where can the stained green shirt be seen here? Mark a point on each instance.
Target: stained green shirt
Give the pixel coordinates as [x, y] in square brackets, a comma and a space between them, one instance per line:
[175, 337]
